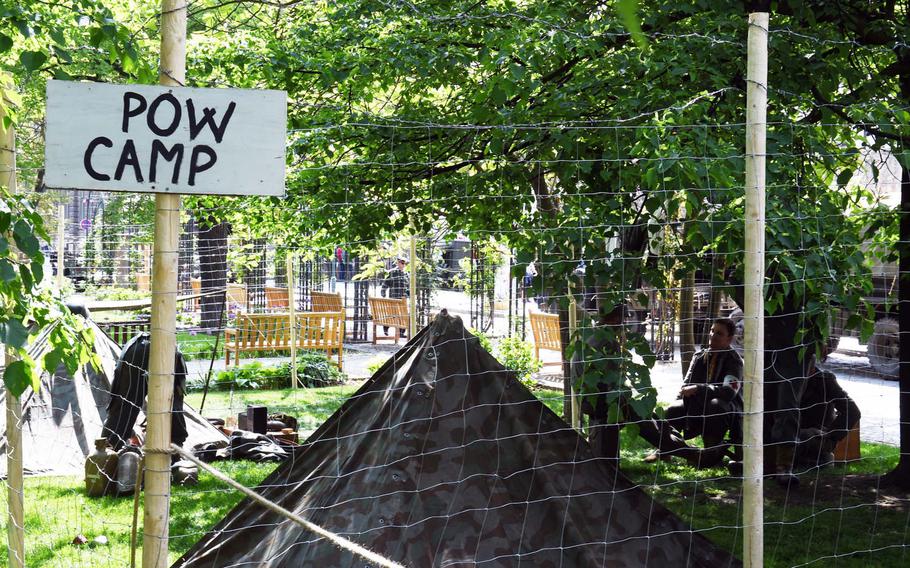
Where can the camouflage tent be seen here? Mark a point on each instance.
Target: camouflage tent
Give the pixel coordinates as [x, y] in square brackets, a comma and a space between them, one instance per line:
[443, 459]
[61, 421]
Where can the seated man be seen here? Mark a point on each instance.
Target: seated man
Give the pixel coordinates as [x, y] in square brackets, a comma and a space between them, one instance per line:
[604, 433]
[827, 414]
[710, 401]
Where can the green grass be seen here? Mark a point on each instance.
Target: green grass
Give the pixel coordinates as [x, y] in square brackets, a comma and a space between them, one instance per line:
[829, 516]
[57, 510]
[311, 406]
[200, 345]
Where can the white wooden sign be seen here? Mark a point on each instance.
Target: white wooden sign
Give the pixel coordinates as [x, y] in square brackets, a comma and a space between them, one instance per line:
[165, 140]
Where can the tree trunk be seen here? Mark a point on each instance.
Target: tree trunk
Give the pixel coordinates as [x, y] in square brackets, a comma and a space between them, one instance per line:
[900, 476]
[687, 322]
[713, 312]
[213, 269]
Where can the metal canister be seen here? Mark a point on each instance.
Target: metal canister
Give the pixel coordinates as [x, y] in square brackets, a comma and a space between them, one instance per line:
[100, 470]
[127, 469]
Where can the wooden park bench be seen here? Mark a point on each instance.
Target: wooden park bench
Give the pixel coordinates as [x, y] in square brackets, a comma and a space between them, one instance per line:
[277, 299]
[545, 329]
[387, 312]
[326, 301]
[235, 296]
[321, 331]
[123, 331]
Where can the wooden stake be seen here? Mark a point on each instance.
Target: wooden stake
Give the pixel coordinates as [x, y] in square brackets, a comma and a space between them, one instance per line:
[61, 228]
[412, 300]
[575, 400]
[14, 496]
[292, 309]
[164, 314]
[756, 116]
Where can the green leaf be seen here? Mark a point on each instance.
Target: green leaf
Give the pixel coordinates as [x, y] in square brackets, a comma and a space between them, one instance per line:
[57, 36]
[6, 43]
[26, 275]
[25, 239]
[19, 375]
[32, 60]
[63, 55]
[628, 12]
[7, 272]
[52, 360]
[13, 333]
[37, 271]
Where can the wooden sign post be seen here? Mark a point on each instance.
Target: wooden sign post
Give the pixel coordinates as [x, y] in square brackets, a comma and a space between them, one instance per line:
[172, 72]
[168, 140]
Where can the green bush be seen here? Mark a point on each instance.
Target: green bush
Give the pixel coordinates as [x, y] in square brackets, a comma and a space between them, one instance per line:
[114, 293]
[518, 355]
[483, 339]
[375, 363]
[514, 353]
[313, 370]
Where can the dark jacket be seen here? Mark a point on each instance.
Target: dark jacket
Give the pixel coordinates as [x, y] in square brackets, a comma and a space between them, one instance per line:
[396, 283]
[128, 392]
[711, 369]
[825, 405]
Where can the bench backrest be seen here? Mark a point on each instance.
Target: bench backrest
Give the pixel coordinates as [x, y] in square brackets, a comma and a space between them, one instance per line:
[236, 294]
[545, 328]
[123, 331]
[276, 298]
[272, 331]
[388, 311]
[326, 301]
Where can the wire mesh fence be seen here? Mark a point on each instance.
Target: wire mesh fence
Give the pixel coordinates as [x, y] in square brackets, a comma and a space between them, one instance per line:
[508, 339]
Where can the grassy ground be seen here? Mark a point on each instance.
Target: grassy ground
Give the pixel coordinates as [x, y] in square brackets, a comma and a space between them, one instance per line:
[839, 516]
[57, 511]
[199, 346]
[311, 407]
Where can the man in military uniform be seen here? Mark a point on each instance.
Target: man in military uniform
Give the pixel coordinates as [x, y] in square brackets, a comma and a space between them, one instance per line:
[710, 401]
[827, 413]
[604, 435]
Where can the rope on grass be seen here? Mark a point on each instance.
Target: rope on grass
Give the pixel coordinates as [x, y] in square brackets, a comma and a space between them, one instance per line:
[339, 541]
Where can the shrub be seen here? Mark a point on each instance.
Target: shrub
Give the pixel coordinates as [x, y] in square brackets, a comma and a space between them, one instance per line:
[114, 293]
[483, 339]
[375, 363]
[313, 370]
[518, 355]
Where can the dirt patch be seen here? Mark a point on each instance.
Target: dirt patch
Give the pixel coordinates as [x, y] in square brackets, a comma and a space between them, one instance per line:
[849, 488]
[832, 489]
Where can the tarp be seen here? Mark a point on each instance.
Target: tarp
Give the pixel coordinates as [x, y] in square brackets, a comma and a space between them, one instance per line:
[61, 421]
[443, 458]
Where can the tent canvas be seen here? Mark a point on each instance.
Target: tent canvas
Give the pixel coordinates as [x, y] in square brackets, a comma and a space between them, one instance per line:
[443, 458]
[61, 421]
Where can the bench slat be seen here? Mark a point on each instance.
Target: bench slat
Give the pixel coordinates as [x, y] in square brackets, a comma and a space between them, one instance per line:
[545, 329]
[272, 332]
[388, 312]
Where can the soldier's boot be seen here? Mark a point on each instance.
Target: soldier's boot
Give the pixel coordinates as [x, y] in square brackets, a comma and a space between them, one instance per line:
[783, 474]
[702, 458]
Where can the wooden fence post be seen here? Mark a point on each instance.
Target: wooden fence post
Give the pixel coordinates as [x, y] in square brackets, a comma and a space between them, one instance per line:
[753, 442]
[164, 313]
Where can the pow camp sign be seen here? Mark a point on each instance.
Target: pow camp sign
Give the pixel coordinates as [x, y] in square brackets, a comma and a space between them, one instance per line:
[165, 140]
